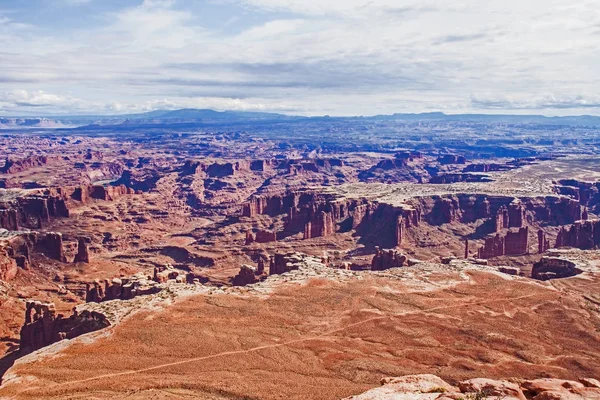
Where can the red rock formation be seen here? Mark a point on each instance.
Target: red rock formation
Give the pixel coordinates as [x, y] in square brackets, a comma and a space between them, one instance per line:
[514, 243]
[33, 211]
[52, 244]
[165, 273]
[466, 249]
[432, 387]
[109, 193]
[582, 234]
[250, 238]
[270, 205]
[587, 193]
[44, 327]
[9, 220]
[83, 252]
[448, 210]
[554, 268]
[260, 165]
[81, 194]
[451, 159]
[329, 162]
[556, 210]
[13, 167]
[517, 243]
[8, 266]
[502, 219]
[248, 275]
[493, 247]
[321, 215]
[261, 266]
[389, 164]
[282, 263]
[322, 225]
[94, 292]
[386, 259]
[264, 236]
[113, 290]
[128, 288]
[516, 215]
[360, 214]
[217, 170]
[543, 243]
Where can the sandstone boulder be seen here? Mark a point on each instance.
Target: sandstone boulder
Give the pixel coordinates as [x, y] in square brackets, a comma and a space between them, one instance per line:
[502, 389]
[411, 387]
[247, 276]
[386, 259]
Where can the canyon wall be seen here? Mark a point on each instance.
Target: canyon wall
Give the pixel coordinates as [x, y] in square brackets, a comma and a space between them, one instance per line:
[34, 211]
[582, 234]
[43, 326]
[386, 225]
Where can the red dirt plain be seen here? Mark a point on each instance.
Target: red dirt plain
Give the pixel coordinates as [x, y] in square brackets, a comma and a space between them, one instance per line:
[328, 340]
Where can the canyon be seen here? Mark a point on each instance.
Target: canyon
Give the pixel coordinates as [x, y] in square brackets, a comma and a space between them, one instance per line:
[236, 261]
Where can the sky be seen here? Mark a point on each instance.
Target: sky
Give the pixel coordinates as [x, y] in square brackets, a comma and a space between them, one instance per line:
[307, 57]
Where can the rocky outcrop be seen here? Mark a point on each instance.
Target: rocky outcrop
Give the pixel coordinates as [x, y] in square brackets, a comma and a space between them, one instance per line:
[431, 387]
[249, 275]
[8, 265]
[166, 273]
[43, 326]
[553, 268]
[322, 225]
[143, 183]
[517, 242]
[503, 212]
[318, 215]
[261, 236]
[512, 244]
[260, 165]
[386, 225]
[217, 170]
[559, 389]
[386, 259]
[128, 288]
[9, 219]
[282, 263]
[582, 235]
[108, 193]
[517, 215]
[543, 243]
[36, 210]
[51, 244]
[83, 251]
[448, 159]
[265, 236]
[587, 193]
[13, 167]
[394, 163]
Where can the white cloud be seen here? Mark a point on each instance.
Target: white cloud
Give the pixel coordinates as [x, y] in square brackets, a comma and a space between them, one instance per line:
[336, 57]
[77, 2]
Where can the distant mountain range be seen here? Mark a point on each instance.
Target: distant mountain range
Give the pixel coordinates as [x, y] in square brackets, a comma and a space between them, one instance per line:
[211, 117]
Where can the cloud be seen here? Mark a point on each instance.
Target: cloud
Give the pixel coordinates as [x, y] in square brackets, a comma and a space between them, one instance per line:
[537, 102]
[336, 57]
[76, 2]
[42, 103]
